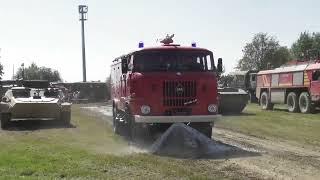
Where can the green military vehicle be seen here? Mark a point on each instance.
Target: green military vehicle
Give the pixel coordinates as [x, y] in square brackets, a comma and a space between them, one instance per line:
[234, 95]
[247, 81]
[33, 100]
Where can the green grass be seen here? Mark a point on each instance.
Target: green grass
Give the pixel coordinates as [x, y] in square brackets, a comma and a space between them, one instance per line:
[296, 127]
[91, 151]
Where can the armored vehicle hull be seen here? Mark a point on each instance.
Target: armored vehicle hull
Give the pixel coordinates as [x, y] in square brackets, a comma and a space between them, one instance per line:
[232, 100]
[33, 103]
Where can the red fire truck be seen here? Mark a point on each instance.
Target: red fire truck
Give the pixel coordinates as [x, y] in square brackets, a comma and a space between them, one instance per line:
[296, 84]
[154, 87]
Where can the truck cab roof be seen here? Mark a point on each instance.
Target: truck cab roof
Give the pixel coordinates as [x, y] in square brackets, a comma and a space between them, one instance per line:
[163, 47]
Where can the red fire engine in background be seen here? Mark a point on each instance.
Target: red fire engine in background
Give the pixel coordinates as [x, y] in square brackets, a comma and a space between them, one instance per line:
[296, 84]
[154, 87]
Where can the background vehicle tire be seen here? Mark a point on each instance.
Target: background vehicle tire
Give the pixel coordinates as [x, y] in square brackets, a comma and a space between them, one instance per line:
[5, 118]
[66, 117]
[265, 101]
[252, 97]
[305, 103]
[292, 102]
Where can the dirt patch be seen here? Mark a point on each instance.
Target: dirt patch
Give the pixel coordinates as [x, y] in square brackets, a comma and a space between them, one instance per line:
[279, 160]
[105, 110]
[275, 160]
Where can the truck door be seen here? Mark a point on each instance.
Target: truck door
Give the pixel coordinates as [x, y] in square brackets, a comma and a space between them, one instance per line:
[124, 75]
[253, 81]
[315, 85]
[130, 68]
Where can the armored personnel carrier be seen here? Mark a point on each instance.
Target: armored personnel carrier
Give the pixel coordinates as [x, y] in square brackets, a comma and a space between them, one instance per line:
[33, 100]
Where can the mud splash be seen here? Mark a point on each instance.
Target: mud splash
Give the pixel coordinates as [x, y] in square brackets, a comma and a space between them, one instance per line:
[182, 141]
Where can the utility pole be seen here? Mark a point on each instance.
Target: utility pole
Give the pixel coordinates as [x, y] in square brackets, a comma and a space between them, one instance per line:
[13, 72]
[83, 10]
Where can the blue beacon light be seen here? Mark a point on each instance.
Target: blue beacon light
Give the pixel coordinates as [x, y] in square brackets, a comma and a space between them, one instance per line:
[194, 44]
[141, 44]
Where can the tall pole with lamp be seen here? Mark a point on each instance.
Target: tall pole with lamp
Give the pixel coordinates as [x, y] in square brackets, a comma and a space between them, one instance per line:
[83, 10]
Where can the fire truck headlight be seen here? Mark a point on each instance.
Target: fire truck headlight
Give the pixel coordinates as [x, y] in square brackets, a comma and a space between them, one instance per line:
[145, 109]
[212, 108]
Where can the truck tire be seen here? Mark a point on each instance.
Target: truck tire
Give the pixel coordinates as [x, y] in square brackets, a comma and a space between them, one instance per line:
[5, 118]
[138, 132]
[135, 131]
[265, 102]
[204, 127]
[66, 117]
[252, 97]
[116, 126]
[292, 102]
[208, 130]
[305, 103]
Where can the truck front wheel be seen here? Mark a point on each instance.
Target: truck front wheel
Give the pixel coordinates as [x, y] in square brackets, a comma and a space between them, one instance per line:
[305, 103]
[139, 132]
[116, 125]
[5, 118]
[292, 102]
[204, 127]
[265, 102]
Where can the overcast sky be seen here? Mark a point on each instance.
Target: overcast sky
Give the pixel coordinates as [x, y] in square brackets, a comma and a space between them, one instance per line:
[47, 32]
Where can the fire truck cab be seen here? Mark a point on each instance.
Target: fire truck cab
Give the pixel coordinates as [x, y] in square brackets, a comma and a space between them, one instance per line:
[154, 87]
[296, 84]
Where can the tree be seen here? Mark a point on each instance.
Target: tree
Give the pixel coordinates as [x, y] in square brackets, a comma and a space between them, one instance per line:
[1, 71]
[225, 80]
[306, 45]
[33, 72]
[281, 56]
[264, 50]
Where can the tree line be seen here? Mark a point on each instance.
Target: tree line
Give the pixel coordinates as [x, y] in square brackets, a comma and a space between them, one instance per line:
[34, 72]
[264, 51]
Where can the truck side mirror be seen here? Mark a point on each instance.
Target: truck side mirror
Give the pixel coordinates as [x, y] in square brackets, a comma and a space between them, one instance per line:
[219, 67]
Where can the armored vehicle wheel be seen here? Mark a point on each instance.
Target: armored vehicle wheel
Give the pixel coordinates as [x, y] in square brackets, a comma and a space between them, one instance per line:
[292, 102]
[5, 118]
[265, 101]
[66, 117]
[305, 103]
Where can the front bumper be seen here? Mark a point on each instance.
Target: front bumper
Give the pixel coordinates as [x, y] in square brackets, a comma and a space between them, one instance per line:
[176, 119]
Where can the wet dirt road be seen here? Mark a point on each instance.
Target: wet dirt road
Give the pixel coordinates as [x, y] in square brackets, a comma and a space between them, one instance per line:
[277, 159]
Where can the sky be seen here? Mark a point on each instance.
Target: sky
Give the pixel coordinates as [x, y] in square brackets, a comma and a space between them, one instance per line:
[48, 32]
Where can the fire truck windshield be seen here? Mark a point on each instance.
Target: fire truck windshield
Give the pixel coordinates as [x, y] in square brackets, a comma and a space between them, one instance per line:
[179, 61]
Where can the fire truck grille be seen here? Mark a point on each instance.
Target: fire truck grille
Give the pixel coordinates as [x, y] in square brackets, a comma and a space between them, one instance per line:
[179, 93]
